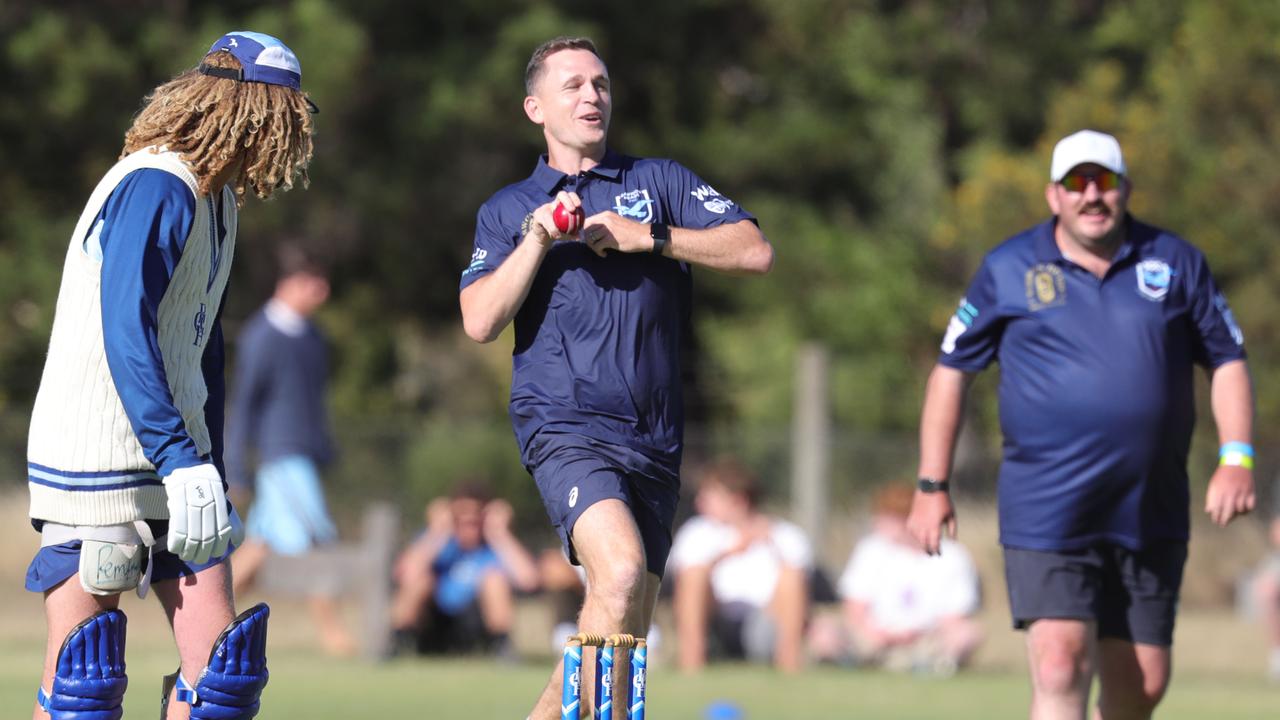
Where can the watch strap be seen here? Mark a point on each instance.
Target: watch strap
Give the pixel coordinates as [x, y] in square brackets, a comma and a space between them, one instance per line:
[661, 234]
[930, 485]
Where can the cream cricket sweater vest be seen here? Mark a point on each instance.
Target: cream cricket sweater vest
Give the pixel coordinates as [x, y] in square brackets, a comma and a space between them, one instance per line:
[85, 464]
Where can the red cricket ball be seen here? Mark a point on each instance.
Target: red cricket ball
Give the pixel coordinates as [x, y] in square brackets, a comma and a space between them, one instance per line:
[567, 222]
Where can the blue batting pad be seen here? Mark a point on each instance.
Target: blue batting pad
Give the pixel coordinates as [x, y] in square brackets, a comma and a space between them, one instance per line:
[89, 681]
[232, 682]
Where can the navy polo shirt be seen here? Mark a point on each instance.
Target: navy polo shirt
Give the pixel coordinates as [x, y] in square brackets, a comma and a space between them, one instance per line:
[1096, 385]
[598, 339]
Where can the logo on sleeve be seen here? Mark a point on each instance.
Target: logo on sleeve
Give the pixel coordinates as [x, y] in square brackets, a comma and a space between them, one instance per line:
[966, 313]
[1046, 287]
[477, 261]
[1220, 302]
[573, 496]
[712, 200]
[1154, 278]
[635, 205]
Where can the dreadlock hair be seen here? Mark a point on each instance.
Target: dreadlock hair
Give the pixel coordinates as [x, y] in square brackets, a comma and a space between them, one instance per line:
[214, 122]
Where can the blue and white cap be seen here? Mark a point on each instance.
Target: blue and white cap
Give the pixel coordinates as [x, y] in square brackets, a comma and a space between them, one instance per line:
[265, 59]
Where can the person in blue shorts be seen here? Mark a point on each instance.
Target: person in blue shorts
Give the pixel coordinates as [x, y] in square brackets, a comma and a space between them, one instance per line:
[1097, 321]
[601, 310]
[279, 414]
[125, 466]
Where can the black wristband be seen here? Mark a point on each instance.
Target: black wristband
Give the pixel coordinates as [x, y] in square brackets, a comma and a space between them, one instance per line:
[661, 235]
[929, 485]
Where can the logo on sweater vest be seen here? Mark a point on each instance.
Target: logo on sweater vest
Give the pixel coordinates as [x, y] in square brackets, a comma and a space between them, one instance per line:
[198, 324]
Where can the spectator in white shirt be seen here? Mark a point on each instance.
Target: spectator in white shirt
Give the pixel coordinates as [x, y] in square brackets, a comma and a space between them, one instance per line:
[905, 609]
[740, 576]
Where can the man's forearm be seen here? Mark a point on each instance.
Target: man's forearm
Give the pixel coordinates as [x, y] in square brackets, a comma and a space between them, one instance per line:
[940, 420]
[736, 249]
[489, 304]
[517, 561]
[1231, 395]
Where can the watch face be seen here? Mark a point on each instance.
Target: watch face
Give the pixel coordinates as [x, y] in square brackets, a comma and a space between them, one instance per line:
[659, 231]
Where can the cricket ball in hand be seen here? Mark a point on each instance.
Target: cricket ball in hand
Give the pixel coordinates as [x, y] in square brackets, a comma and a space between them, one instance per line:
[566, 221]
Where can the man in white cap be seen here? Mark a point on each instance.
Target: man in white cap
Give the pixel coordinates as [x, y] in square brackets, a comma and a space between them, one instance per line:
[1097, 321]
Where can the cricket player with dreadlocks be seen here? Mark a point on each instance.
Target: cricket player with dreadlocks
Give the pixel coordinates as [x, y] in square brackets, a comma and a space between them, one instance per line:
[125, 447]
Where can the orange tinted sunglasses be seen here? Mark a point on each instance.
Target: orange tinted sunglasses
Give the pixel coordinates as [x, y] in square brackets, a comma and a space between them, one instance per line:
[1105, 180]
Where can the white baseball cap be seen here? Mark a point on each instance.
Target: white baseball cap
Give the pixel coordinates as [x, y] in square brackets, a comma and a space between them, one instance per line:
[1086, 146]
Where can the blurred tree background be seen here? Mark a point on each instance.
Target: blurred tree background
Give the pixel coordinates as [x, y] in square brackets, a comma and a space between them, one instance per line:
[884, 145]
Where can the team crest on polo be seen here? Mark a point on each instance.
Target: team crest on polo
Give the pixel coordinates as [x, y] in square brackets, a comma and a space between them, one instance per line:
[1046, 287]
[1154, 278]
[634, 204]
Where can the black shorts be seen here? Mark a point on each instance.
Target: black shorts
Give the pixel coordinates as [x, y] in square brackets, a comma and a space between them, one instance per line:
[574, 472]
[1132, 595]
[459, 634]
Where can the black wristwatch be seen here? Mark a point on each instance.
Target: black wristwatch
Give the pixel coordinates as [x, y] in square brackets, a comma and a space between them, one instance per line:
[929, 485]
[661, 235]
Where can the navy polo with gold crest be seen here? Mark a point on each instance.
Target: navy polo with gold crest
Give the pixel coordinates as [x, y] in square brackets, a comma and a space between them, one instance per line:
[598, 339]
[1096, 386]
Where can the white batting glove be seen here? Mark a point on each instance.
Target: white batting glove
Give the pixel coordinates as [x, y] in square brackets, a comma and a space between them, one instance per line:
[199, 525]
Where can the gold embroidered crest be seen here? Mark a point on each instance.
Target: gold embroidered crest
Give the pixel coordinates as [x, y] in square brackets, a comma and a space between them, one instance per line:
[1046, 287]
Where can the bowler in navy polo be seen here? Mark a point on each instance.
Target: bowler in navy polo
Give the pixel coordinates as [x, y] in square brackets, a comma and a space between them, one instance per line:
[601, 308]
[1098, 322]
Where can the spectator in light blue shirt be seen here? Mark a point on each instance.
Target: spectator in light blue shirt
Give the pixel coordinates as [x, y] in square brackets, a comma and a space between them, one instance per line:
[456, 583]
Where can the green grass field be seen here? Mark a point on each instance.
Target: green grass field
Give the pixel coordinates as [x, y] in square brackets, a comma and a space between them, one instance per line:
[303, 686]
[1218, 659]
[1219, 676]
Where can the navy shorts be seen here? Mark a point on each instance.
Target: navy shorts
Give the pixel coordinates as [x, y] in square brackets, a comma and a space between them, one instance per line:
[1131, 594]
[574, 472]
[55, 563]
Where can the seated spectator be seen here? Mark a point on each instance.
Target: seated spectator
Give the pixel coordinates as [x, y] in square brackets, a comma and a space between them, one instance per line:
[740, 576]
[904, 609]
[456, 581]
[1266, 587]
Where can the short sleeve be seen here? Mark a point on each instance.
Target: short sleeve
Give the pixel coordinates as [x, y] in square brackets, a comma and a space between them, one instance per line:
[792, 545]
[1219, 339]
[493, 243]
[973, 334]
[692, 203]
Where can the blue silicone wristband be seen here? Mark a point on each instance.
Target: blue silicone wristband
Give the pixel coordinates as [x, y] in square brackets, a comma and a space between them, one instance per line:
[1242, 448]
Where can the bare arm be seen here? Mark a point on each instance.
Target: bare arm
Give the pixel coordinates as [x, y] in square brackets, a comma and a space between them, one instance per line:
[416, 559]
[944, 398]
[515, 559]
[1231, 490]
[489, 304]
[738, 248]
[692, 607]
